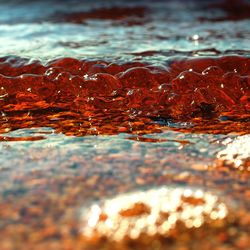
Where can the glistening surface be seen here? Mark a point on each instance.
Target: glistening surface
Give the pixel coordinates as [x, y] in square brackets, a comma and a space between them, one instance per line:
[124, 125]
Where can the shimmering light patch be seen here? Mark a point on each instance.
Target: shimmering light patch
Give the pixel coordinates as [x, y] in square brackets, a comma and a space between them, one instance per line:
[237, 153]
[153, 213]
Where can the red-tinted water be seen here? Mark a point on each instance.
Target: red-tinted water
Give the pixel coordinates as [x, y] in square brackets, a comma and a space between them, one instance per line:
[82, 95]
[166, 86]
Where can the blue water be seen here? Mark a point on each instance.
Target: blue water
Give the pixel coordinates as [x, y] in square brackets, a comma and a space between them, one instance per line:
[169, 29]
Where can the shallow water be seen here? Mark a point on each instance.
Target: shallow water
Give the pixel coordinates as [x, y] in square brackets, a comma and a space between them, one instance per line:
[167, 29]
[57, 158]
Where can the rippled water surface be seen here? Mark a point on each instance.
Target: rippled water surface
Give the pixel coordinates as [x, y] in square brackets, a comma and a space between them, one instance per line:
[124, 125]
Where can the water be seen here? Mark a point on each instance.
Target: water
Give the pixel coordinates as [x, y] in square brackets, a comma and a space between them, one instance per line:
[56, 162]
[163, 28]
